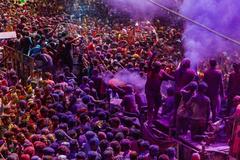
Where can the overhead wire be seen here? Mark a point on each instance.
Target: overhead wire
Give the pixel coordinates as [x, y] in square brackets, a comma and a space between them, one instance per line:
[195, 22]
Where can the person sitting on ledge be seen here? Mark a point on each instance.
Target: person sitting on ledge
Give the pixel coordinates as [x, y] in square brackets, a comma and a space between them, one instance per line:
[200, 108]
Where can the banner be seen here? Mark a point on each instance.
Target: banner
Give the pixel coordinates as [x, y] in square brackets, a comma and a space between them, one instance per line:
[8, 35]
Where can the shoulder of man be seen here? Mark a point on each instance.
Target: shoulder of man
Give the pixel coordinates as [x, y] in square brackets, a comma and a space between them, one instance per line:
[206, 98]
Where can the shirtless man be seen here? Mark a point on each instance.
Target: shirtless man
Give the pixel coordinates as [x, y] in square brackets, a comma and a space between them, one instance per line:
[213, 78]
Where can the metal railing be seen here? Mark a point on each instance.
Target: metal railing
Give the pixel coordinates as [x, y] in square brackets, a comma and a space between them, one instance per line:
[22, 64]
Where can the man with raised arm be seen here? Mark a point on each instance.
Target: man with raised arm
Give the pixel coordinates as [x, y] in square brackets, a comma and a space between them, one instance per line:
[155, 77]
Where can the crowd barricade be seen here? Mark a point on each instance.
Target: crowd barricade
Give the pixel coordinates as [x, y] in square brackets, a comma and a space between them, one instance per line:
[22, 64]
[185, 151]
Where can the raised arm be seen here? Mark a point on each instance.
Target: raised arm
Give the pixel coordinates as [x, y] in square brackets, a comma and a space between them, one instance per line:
[221, 86]
[229, 85]
[208, 110]
[167, 76]
[151, 60]
[75, 39]
[55, 28]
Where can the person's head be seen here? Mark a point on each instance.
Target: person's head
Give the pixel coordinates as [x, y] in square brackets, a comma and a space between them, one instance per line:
[186, 63]
[171, 152]
[89, 135]
[213, 63]
[108, 155]
[133, 155]
[196, 156]
[85, 79]
[35, 158]
[6, 120]
[116, 147]
[59, 135]
[236, 67]
[192, 86]
[154, 151]
[92, 155]
[61, 78]
[48, 151]
[125, 145]
[39, 146]
[20, 137]
[104, 144]
[129, 89]
[163, 157]
[47, 76]
[236, 100]
[135, 133]
[30, 150]
[94, 144]
[119, 136]
[9, 65]
[115, 122]
[86, 99]
[202, 87]
[156, 67]
[63, 150]
[81, 156]
[102, 115]
[144, 146]
[66, 70]
[13, 156]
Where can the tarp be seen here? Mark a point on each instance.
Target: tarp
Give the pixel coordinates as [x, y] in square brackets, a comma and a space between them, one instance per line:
[22, 2]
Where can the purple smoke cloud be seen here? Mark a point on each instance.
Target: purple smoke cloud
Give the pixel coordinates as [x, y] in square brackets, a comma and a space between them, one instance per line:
[220, 15]
[140, 8]
[127, 77]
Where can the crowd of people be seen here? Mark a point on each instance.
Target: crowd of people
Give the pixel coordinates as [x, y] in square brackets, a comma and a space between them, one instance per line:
[64, 110]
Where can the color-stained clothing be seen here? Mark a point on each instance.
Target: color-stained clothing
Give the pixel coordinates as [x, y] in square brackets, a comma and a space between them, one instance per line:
[183, 77]
[200, 108]
[233, 87]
